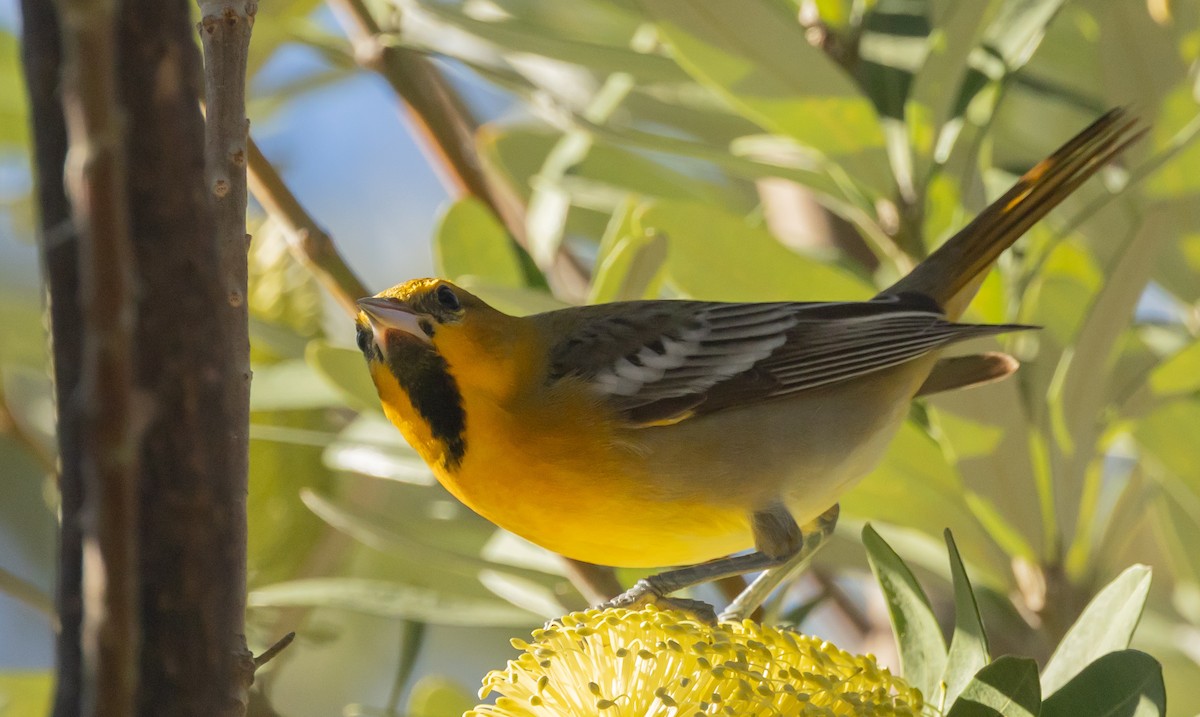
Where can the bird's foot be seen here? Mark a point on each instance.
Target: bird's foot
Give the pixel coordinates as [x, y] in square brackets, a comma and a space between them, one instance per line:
[643, 593]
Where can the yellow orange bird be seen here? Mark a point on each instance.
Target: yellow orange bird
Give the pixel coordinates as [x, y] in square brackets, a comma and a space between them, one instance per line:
[660, 433]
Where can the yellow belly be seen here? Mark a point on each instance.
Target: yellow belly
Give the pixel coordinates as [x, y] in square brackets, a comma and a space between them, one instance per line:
[570, 477]
[587, 495]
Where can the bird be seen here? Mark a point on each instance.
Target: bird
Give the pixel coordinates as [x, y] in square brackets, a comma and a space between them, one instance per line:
[711, 438]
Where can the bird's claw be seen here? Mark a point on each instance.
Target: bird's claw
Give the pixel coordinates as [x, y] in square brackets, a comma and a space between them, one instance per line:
[643, 594]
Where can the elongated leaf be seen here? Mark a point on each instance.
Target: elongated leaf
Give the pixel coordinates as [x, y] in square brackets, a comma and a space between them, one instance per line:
[1090, 361]
[395, 600]
[291, 385]
[519, 152]
[346, 370]
[968, 646]
[512, 300]
[470, 241]
[630, 263]
[918, 637]
[758, 58]
[1018, 28]
[1178, 374]
[1163, 434]
[1106, 625]
[934, 97]
[1120, 684]
[372, 446]
[713, 254]
[401, 539]
[518, 37]
[1006, 688]
[914, 485]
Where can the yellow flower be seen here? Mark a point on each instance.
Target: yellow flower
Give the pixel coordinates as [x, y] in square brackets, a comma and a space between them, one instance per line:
[652, 662]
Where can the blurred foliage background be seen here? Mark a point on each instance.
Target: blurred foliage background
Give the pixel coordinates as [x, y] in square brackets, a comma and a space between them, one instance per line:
[764, 149]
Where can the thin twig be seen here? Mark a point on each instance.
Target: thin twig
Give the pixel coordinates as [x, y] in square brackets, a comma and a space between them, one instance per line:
[844, 603]
[273, 651]
[110, 434]
[310, 244]
[596, 583]
[445, 124]
[24, 591]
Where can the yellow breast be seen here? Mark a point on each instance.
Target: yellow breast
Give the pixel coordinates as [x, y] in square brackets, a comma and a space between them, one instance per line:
[560, 472]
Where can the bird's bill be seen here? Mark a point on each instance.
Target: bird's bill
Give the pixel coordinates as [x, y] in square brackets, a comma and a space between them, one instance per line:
[386, 315]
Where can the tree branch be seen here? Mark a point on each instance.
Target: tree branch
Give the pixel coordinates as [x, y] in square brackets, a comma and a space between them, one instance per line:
[442, 120]
[26, 592]
[308, 242]
[225, 27]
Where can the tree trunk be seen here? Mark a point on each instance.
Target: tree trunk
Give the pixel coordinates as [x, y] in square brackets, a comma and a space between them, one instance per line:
[193, 502]
[41, 56]
[185, 414]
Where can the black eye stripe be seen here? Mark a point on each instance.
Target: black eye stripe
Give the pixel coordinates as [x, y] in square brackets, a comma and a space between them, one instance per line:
[366, 341]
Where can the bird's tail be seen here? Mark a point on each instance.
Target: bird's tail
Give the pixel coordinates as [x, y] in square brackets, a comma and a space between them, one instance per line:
[952, 273]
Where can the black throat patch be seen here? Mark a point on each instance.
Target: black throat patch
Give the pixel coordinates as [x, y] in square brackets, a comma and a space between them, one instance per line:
[425, 377]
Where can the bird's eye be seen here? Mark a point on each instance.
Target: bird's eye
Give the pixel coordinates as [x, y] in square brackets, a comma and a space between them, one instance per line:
[447, 298]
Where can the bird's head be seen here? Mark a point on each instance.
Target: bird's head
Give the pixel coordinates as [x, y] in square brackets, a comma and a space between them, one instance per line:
[424, 328]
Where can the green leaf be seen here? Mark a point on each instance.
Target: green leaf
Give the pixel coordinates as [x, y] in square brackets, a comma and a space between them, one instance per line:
[1179, 373]
[470, 241]
[372, 446]
[25, 692]
[1120, 684]
[1088, 364]
[1174, 135]
[715, 255]
[281, 531]
[969, 645]
[291, 385]
[393, 600]
[1018, 28]
[384, 535]
[520, 151]
[22, 334]
[936, 90]
[526, 40]
[1106, 625]
[630, 263]
[918, 637]
[438, 696]
[1007, 687]
[346, 370]
[517, 301]
[914, 485]
[758, 58]
[1164, 433]
[14, 120]
[279, 23]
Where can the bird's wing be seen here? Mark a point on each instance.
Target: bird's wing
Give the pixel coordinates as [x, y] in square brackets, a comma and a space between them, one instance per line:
[661, 362]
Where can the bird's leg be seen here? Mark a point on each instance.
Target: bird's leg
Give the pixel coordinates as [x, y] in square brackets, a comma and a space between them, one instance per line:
[777, 538]
[815, 534]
